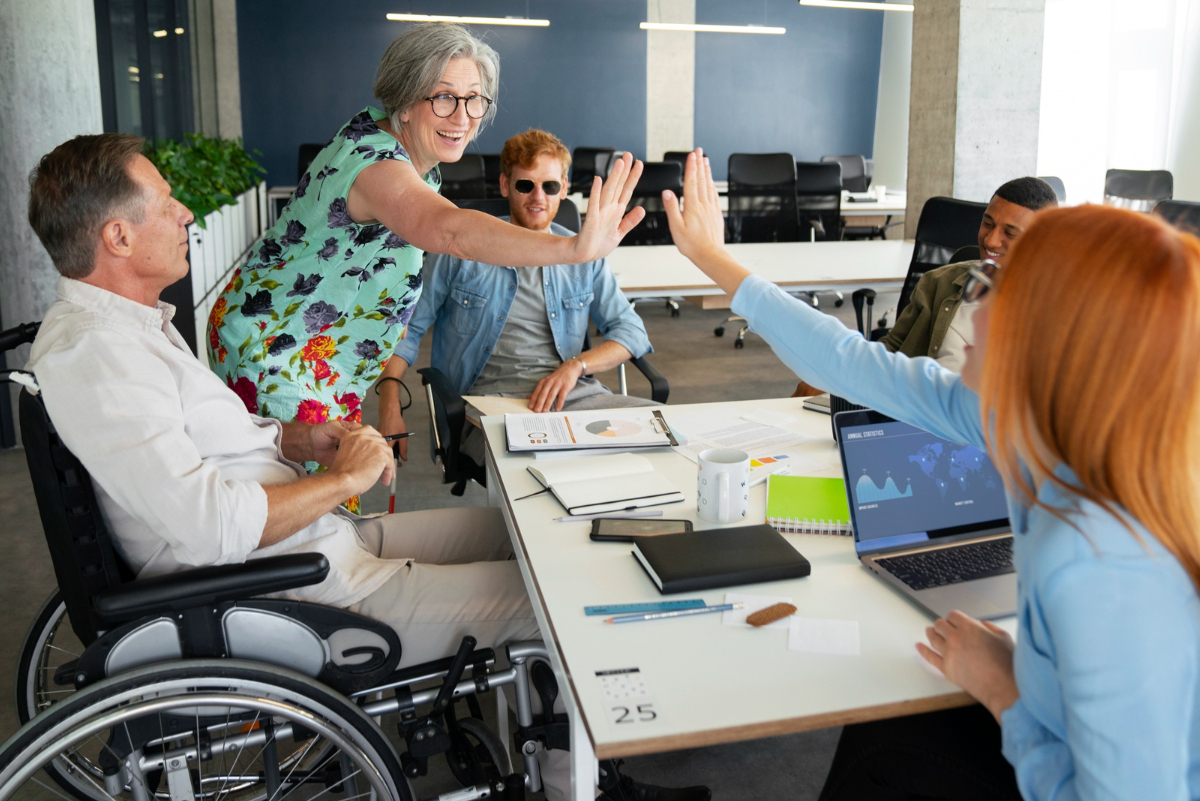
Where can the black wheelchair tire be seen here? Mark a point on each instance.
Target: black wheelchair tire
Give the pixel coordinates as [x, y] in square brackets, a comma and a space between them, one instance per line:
[38, 640]
[475, 744]
[56, 731]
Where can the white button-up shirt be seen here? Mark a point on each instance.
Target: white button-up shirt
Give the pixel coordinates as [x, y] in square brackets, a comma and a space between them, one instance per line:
[178, 463]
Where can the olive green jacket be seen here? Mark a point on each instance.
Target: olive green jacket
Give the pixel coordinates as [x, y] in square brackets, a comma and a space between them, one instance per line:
[921, 327]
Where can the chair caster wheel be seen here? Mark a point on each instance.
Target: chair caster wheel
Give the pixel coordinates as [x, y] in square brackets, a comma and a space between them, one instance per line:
[739, 343]
[839, 303]
[719, 330]
[674, 312]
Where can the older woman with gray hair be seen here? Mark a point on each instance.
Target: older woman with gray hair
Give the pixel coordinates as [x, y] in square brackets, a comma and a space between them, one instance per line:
[311, 319]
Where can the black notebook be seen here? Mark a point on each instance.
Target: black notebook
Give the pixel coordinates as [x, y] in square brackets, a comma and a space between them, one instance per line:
[721, 557]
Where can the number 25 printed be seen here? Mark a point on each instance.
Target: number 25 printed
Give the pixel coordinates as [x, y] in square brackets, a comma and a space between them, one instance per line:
[643, 713]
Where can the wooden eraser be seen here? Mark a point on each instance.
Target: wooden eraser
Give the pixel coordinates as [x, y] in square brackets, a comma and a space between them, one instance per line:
[769, 615]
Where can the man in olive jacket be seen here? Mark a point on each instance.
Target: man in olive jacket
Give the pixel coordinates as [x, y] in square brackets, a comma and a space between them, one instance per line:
[936, 323]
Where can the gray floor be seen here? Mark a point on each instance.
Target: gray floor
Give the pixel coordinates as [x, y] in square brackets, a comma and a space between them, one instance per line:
[699, 366]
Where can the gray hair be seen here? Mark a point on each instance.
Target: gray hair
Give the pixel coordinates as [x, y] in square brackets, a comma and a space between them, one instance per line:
[416, 59]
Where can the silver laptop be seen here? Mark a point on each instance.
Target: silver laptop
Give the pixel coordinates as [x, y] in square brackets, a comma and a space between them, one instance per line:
[930, 516]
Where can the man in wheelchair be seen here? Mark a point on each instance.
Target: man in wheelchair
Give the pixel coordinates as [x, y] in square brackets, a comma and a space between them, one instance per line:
[185, 477]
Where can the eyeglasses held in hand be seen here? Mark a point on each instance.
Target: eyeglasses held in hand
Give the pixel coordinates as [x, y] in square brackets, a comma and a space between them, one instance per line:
[525, 186]
[980, 280]
[445, 104]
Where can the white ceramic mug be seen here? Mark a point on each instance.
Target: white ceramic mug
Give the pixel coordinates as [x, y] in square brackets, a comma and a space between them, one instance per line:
[723, 485]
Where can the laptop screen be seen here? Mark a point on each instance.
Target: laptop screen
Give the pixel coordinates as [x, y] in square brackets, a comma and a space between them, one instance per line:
[907, 486]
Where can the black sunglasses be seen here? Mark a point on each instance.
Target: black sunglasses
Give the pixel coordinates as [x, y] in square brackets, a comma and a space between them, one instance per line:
[525, 186]
[979, 281]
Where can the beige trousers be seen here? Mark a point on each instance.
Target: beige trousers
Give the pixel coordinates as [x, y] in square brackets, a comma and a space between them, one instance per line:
[458, 580]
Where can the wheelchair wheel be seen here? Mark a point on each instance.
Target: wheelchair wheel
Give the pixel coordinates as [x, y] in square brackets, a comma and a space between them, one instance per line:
[215, 729]
[475, 747]
[48, 646]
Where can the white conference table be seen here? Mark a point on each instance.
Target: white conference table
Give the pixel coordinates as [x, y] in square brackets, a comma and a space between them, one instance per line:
[658, 270]
[709, 683]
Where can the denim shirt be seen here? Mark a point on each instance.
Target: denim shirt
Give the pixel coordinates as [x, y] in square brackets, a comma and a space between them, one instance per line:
[467, 303]
[1107, 658]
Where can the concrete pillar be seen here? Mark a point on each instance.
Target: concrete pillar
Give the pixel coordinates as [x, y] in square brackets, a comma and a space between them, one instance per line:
[670, 79]
[976, 91]
[50, 92]
[216, 82]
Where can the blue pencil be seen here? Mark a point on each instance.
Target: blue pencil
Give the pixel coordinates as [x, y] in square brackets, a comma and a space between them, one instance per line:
[702, 610]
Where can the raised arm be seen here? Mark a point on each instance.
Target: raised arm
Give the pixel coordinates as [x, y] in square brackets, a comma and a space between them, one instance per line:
[392, 193]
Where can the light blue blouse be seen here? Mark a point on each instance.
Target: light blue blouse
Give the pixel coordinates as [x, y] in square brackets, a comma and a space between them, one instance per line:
[1108, 646]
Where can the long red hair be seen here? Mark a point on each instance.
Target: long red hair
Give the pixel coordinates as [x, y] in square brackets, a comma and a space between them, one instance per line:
[1093, 360]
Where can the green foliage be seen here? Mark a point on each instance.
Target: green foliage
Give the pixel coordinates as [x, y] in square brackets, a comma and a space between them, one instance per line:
[205, 173]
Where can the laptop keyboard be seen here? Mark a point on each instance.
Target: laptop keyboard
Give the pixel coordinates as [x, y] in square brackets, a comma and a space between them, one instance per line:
[938, 568]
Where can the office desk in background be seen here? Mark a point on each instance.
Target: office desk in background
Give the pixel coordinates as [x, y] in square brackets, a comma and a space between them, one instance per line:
[708, 683]
[893, 204]
[661, 270]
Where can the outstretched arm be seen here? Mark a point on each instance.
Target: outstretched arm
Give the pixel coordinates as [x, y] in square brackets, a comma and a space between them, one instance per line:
[392, 193]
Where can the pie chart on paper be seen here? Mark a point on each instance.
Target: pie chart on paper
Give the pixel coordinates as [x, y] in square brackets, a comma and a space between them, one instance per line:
[613, 428]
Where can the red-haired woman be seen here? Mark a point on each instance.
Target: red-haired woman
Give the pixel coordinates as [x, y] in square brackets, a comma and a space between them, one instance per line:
[1084, 385]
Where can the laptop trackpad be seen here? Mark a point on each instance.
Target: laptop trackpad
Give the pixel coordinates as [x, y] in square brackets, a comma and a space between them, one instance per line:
[995, 596]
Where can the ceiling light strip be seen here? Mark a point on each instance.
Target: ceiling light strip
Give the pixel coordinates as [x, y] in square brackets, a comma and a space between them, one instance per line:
[854, 4]
[679, 26]
[534, 23]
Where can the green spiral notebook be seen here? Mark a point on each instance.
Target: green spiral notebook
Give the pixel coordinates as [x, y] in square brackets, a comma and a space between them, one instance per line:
[807, 505]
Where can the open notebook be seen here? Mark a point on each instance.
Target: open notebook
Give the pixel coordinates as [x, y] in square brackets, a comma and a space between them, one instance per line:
[610, 483]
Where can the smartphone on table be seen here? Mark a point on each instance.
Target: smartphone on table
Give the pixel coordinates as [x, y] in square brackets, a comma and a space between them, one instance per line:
[624, 529]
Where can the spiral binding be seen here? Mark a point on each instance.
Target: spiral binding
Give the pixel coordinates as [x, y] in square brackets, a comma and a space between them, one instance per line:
[796, 525]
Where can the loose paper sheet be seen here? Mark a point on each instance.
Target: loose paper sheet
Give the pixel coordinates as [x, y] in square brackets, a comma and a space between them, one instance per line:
[820, 636]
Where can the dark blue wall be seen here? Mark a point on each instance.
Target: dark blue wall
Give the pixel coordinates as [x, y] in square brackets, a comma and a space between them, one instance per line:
[810, 92]
[307, 66]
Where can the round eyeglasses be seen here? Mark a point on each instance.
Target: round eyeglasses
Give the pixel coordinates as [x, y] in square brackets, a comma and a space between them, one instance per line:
[445, 104]
[980, 280]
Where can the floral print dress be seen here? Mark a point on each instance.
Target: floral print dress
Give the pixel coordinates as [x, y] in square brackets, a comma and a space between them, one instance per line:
[307, 324]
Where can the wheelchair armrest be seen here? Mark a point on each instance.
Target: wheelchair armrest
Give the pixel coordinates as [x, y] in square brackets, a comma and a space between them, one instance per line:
[659, 388]
[210, 585]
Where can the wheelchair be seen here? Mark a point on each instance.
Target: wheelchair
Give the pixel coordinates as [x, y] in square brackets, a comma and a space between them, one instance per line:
[193, 686]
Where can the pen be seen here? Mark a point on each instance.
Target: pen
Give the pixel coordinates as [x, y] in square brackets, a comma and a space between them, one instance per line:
[783, 471]
[622, 515]
[393, 437]
[703, 610]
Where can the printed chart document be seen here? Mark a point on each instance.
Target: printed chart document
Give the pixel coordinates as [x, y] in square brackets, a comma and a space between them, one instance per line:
[610, 483]
[769, 446]
[618, 429]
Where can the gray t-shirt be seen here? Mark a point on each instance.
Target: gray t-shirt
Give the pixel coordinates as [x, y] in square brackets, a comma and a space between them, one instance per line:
[525, 353]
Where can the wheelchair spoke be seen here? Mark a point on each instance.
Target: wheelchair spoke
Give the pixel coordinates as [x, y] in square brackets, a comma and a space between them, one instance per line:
[299, 759]
[59, 793]
[231, 772]
[343, 781]
[332, 754]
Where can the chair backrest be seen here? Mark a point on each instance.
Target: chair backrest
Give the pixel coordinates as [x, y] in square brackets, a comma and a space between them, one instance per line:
[679, 156]
[1183, 214]
[491, 174]
[85, 561]
[586, 164]
[308, 152]
[762, 198]
[946, 224]
[1056, 183]
[819, 198]
[1138, 189]
[854, 172]
[567, 216]
[657, 176]
[968, 253]
[463, 179]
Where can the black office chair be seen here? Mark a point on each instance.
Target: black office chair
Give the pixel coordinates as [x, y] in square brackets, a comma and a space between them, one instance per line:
[567, 216]
[947, 226]
[491, 174]
[464, 179]
[679, 156]
[657, 176]
[1183, 214]
[1139, 190]
[586, 164]
[854, 172]
[308, 152]
[762, 198]
[819, 200]
[1056, 183]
